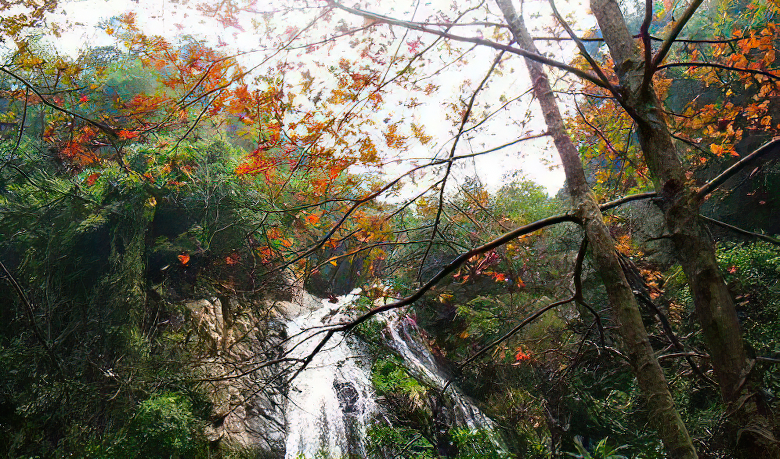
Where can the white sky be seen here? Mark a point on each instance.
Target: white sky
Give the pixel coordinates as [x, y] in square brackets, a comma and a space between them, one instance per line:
[536, 160]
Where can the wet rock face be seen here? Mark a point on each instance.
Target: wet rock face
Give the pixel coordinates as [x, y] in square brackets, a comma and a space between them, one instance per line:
[248, 400]
[328, 407]
[347, 395]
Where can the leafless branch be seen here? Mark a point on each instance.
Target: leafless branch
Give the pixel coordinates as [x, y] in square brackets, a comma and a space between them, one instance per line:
[463, 122]
[30, 313]
[720, 66]
[538, 313]
[669, 41]
[770, 147]
[644, 33]
[744, 232]
[479, 41]
[578, 291]
[593, 64]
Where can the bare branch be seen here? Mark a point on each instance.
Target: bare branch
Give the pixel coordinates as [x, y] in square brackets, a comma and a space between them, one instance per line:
[578, 291]
[744, 232]
[111, 133]
[669, 41]
[644, 33]
[457, 262]
[593, 64]
[479, 41]
[538, 313]
[463, 122]
[30, 312]
[619, 202]
[772, 146]
[21, 130]
[720, 66]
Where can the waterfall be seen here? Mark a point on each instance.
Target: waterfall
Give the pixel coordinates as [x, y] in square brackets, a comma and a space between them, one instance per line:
[330, 403]
[404, 338]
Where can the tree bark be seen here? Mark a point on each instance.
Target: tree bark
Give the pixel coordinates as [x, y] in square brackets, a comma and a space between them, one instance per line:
[646, 368]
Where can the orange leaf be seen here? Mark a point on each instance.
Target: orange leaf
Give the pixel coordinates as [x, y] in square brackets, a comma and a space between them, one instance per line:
[184, 258]
[126, 135]
[334, 172]
[313, 218]
[233, 258]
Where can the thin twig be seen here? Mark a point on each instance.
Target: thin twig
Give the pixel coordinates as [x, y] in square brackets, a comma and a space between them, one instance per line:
[30, 312]
[669, 41]
[744, 232]
[479, 41]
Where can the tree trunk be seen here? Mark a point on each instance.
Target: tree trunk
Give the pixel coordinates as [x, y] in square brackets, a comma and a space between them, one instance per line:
[635, 342]
[694, 247]
[693, 244]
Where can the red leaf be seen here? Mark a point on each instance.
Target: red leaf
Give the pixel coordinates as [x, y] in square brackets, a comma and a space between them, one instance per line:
[126, 135]
[92, 179]
[334, 172]
[184, 258]
[520, 356]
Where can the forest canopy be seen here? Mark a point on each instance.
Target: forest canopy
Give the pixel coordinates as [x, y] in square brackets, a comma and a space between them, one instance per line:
[576, 204]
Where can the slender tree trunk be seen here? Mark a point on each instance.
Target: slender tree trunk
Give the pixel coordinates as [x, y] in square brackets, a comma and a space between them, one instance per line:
[635, 342]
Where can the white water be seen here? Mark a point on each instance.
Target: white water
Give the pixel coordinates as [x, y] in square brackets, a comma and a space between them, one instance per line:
[405, 339]
[331, 403]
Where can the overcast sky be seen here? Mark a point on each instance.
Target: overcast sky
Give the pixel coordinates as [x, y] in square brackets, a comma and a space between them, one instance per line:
[535, 160]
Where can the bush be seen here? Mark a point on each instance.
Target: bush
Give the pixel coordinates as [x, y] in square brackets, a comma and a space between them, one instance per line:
[165, 427]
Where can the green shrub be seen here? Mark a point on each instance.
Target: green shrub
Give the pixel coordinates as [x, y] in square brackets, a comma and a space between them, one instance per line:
[163, 427]
[477, 444]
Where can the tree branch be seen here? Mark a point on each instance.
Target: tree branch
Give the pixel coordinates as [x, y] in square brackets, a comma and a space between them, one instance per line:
[593, 64]
[635, 197]
[479, 41]
[772, 146]
[744, 232]
[669, 41]
[538, 313]
[457, 262]
[578, 291]
[644, 33]
[30, 312]
[720, 66]
[463, 122]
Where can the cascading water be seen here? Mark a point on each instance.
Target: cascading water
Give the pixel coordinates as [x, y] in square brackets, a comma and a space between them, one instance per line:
[331, 402]
[404, 338]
